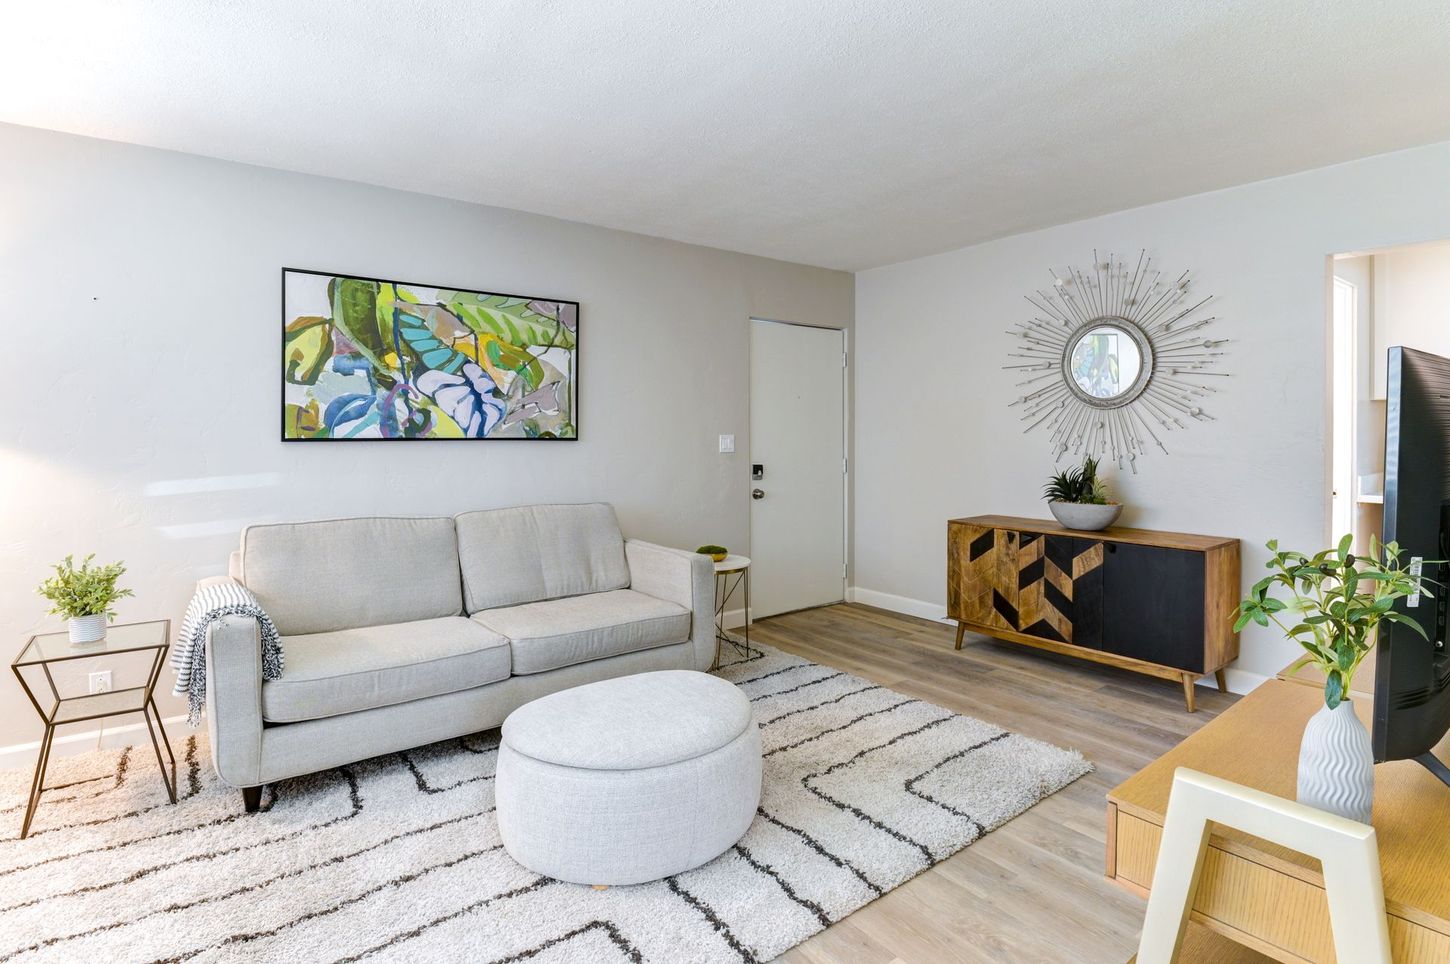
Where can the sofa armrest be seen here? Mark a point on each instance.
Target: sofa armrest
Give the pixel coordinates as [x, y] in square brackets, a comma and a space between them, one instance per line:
[684, 578]
[234, 696]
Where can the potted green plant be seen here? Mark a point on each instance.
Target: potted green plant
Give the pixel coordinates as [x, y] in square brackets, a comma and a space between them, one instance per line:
[83, 595]
[1079, 499]
[717, 553]
[1333, 604]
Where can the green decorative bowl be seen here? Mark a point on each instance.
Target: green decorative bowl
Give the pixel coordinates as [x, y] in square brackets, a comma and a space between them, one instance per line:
[718, 553]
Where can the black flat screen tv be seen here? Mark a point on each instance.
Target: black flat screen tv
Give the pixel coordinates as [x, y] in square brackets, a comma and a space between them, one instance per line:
[1412, 674]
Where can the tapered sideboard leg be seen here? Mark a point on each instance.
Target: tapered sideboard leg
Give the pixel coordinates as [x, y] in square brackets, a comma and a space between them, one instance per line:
[1222, 683]
[1188, 683]
[960, 630]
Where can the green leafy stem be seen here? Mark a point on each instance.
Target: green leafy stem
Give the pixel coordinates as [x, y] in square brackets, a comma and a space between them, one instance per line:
[1334, 605]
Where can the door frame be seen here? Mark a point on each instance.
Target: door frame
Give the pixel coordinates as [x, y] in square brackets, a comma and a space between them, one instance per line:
[845, 440]
[1344, 355]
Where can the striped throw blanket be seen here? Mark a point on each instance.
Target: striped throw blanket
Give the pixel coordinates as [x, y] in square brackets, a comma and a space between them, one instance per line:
[214, 601]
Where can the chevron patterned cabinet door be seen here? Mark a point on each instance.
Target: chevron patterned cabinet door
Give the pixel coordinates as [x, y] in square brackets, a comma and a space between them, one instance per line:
[982, 580]
[1060, 589]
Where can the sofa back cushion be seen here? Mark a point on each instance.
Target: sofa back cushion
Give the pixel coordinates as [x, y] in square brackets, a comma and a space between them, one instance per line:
[536, 552]
[317, 577]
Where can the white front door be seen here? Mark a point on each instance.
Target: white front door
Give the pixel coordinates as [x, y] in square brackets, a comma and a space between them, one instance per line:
[798, 444]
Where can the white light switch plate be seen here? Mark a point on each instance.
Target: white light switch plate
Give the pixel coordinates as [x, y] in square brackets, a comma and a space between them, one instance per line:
[101, 682]
[727, 443]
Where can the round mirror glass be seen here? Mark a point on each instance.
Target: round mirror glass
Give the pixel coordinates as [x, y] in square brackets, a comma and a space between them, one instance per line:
[1105, 362]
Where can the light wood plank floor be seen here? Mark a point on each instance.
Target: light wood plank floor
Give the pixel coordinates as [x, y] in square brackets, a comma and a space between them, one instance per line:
[1034, 889]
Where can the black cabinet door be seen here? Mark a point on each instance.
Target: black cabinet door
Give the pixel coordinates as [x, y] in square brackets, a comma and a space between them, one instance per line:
[1153, 605]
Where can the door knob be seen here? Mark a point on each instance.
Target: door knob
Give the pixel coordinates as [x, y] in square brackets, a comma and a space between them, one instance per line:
[757, 493]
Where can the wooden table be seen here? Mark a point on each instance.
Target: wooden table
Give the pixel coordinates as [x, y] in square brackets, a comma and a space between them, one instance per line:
[1266, 897]
[1203, 946]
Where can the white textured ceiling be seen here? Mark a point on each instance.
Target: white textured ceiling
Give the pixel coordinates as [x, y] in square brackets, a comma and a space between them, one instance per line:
[845, 134]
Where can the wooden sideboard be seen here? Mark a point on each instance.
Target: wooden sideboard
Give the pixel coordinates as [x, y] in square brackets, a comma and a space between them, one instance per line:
[1159, 603]
[1267, 897]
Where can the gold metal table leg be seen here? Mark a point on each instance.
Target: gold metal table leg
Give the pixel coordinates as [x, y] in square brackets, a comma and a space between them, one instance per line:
[170, 781]
[724, 592]
[37, 785]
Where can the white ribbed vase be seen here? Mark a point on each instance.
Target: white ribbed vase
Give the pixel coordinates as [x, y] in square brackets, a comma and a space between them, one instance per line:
[87, 629]
[1336, 763]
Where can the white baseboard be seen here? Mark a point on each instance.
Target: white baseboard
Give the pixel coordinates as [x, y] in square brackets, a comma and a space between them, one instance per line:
[71, 744]
[897, 604]
[735, 618]
[1239, 681]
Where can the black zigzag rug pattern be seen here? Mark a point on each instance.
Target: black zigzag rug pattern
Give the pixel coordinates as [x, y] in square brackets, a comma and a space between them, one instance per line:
[398, 858]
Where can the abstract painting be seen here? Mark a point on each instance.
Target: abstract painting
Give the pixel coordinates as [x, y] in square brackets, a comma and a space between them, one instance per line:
[366, 359]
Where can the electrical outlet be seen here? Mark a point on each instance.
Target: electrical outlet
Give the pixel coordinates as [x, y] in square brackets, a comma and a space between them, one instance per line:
[727, 443]
[101, 682]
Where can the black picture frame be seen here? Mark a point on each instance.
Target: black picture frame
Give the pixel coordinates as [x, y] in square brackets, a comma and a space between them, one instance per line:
[575, 383]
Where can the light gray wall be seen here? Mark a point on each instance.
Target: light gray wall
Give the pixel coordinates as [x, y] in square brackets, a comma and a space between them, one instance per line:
[936, 440]
[1412, 302]
[142, 367]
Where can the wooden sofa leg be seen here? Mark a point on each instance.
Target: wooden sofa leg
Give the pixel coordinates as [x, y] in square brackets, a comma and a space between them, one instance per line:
[252, 798]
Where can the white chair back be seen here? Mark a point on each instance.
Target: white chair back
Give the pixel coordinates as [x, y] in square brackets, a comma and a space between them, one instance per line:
[1347, 851]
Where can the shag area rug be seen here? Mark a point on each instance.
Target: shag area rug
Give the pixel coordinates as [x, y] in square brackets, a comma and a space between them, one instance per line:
[398, 858]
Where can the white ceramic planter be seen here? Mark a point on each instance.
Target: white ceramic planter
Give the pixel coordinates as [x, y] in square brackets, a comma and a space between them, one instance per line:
[87, 629]
[1087, 518]
[1336, 763]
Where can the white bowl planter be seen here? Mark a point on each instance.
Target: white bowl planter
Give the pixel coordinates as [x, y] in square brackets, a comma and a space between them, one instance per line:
[1084, 516]
[87, 629]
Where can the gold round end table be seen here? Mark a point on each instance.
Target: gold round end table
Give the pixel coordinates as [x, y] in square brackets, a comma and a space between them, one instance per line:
[725, 589]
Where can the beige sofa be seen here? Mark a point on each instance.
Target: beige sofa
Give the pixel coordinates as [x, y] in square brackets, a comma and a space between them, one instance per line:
[398, 632]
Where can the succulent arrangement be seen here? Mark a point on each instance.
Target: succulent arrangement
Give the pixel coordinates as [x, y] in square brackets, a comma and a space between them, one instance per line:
[84, 590]
[1078, 486]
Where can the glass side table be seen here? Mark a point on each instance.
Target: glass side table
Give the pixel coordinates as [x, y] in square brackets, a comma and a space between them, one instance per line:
[739, 567]
[42, 660]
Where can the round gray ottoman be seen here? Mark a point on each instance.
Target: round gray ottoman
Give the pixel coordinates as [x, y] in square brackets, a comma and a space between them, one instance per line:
[630, 779]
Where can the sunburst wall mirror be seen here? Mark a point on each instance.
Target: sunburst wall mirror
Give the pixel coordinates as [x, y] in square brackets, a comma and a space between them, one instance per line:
[1114, 359]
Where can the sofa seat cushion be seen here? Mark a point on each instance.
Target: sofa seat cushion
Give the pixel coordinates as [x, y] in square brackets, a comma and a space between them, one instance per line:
[561, 632]
[328, 674]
